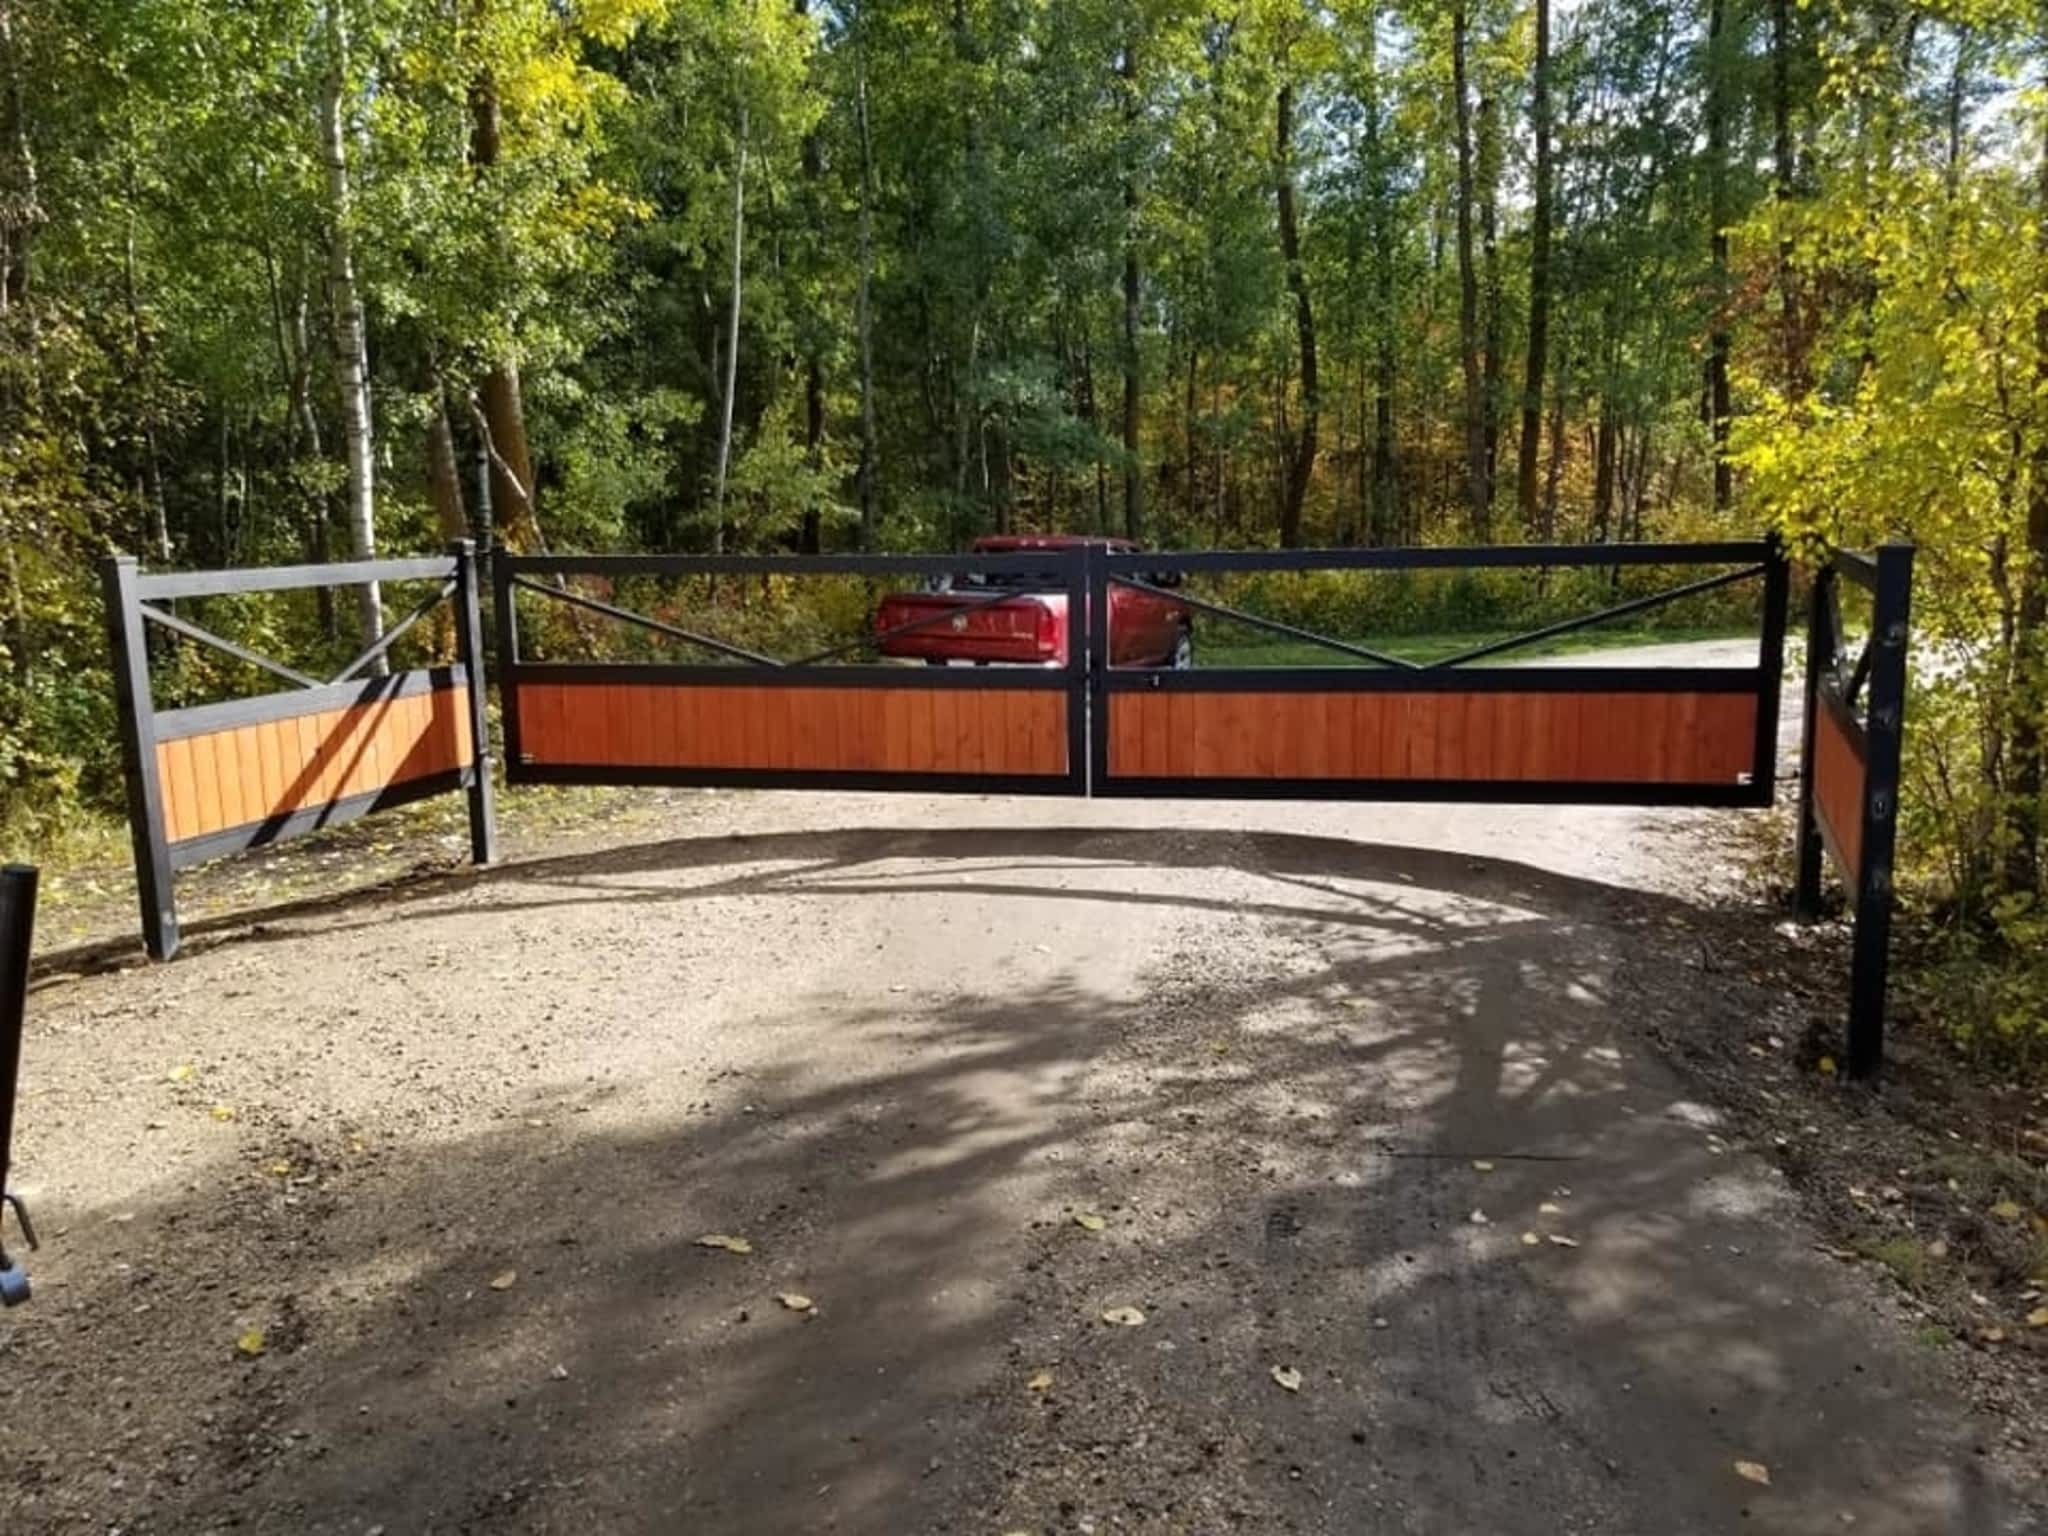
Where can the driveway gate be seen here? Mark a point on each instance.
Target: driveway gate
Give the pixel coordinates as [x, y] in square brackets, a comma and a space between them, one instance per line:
[714, 680]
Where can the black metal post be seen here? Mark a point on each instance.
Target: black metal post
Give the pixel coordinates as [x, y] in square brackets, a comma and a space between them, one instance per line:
[1080, 593]
[506, 623]
[1883, 733]
[1771, 663]
[1820, 660]
[137, 710]
[17, 930]
[1095, 629]
[469, 647]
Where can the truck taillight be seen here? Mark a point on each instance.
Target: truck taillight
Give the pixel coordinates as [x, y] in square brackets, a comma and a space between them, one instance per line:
[1048, 630]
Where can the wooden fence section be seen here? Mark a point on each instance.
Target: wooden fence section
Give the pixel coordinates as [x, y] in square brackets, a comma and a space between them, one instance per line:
[218, 778]
[663, 727]
[1839, 776]
[406, 734]
[1704, 738]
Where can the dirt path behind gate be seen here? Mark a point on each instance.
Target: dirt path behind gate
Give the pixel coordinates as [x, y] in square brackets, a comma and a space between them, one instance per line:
[1360, 1093]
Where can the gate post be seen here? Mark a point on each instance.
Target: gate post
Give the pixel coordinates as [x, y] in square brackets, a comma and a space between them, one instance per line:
[17, 927]
[1820, 656]
[469, 647]
[1890, 614]
[1771, 658]
[137, 712]
[1095, 627]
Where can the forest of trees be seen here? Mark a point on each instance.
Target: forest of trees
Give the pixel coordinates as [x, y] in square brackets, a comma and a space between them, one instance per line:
[290, 279]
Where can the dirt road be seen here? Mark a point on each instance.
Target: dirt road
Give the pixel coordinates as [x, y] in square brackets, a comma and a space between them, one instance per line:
[1366, 1094]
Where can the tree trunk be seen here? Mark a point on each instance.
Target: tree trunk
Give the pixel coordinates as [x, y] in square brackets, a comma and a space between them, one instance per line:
[1478, 491]
[1603, 474]
[1301, 462]
[1792, 339]
[351, 348]
[444, 474]
[2030, 628]
[1539, 274]
[732, 331]
[1134, 474]
[21, 210]
[1492, 306]
[514, 516]
[864, 319]
[1719, 406]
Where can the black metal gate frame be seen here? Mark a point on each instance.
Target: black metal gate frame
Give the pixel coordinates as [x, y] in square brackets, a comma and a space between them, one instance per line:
[542, 576]
[1755, 559]
[1835, 682]
[17, 929]
[132, 597]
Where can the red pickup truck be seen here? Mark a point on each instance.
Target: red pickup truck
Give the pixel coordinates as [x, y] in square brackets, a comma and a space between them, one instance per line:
[1030, 628]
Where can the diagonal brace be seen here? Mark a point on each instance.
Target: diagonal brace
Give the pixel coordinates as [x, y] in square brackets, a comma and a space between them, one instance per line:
[241, 653]
[1620, 610]
[384, 642]
[628, 616]
[1273, 626]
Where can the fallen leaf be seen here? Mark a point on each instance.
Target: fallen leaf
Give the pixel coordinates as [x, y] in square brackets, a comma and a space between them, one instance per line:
[1827, 1066]
[2038, 1318]
[1530, 1239]
[1550, 1208]
[251, 1343]
[223, 1111]
[1992, 1335]
[1288, 1378]
[1123, 1317]
[1090, 1222]
[795, 1301]
[2007, 1210]
[1481, 1165]
[181, 1073]
[729, 1244]
[504, 1280]
[1220, 1047]
[1755, 1471]
[1042, 1382]
[1564, 1242]
[281, 1169]
[559, 1373]
[1477, 1218]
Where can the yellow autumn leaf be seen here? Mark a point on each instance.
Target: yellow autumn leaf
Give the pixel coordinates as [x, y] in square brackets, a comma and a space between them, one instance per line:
[504, 1280]
[1530, 1240]
[2038, 1318]
[1090, 1222]
[2007, 1210]
[1827, 1069]
[1042, 1382]
[1287, 1377]
[1754, 1471]
[181, 1073]
[251, 1343]
[281, 1169]
[1123, 1317]
[1550, 1208]
[223, 1111]
[728, 1243]
[795, 1301]
[1481, 1165]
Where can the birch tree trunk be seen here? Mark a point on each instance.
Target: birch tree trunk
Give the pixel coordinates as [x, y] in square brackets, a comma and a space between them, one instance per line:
[351, 349]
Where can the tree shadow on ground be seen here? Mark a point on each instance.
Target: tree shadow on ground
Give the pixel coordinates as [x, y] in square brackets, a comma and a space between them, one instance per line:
[1282, 1143]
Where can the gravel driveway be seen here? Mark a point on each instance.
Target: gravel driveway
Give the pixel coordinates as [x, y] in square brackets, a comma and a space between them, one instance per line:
[390, 1217]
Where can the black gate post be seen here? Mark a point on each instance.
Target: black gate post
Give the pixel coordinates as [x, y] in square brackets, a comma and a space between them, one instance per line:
[17, 928]
[1890, 615]
[1820, 658]
[1771, 659]
[137, 709]
[1095, 631]
[469, 646]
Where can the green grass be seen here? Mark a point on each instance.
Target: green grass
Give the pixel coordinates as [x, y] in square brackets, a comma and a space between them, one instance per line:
[1242, 648]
